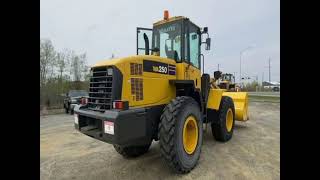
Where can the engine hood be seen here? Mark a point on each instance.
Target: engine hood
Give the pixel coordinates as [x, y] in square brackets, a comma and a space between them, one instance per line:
[120, 61]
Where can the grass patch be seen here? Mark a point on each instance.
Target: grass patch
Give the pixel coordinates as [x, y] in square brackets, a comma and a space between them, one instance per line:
[254, 98]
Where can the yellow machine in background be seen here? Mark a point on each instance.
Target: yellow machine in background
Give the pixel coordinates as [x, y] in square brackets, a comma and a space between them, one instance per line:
[160, 94]
[240, 99]
[227, 82]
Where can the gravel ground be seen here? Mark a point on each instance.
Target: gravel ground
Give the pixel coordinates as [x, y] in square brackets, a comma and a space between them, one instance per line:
[252, 153]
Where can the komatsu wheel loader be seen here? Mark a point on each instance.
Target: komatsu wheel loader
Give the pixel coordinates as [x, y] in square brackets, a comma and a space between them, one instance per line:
[227, 82]
[160, 94]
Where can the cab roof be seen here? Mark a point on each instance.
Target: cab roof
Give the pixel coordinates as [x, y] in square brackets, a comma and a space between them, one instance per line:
[172, 19]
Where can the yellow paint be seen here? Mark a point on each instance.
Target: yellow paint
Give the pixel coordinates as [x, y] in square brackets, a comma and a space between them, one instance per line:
[240, 100]
[214, 98]
[188, 72]
[229, 120]
[190, 135]
[156, 87]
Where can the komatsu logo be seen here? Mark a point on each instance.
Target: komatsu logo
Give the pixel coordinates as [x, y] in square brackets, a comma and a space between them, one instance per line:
[167, 29]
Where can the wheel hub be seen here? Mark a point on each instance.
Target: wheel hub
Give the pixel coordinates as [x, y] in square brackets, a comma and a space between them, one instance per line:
[229, 120]
[190, 135]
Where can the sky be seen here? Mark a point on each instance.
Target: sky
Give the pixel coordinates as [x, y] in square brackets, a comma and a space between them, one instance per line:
[101, 28]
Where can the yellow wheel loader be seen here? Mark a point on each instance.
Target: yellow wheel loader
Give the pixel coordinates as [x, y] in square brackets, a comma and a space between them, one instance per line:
[160, 94]
[227, 82]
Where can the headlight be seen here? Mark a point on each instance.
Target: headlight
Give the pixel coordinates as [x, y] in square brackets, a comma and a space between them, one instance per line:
[109, 71]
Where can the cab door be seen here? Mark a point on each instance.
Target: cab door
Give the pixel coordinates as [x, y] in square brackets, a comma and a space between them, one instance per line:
[193, 64]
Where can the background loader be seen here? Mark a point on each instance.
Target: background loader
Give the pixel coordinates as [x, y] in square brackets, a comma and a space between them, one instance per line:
[227, 82]
[160, 94]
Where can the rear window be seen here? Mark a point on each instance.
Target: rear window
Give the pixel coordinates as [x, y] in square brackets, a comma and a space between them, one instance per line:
[78, 93]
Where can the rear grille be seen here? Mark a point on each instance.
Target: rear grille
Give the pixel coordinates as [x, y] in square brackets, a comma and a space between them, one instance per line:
[135, 69]
[100, 92]
[137, 89]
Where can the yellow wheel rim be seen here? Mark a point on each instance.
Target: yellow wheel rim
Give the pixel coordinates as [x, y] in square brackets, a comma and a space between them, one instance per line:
[229, 120]
[190, 135]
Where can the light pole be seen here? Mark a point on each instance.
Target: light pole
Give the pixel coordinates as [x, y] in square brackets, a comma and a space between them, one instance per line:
[249, 47]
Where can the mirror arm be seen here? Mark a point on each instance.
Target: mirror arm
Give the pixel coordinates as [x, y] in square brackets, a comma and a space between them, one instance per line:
[202, 63]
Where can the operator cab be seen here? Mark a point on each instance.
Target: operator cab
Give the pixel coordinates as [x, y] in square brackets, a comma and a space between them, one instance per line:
[228, 77]
[175, 38]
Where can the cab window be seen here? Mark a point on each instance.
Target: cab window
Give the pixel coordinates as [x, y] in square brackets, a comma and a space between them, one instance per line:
[194, 45]
[167, 38]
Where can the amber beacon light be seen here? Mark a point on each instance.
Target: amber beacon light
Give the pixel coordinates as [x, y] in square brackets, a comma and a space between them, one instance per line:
[166, 15]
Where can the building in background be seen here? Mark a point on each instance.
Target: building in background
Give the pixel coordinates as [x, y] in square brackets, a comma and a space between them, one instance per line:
[274, 86]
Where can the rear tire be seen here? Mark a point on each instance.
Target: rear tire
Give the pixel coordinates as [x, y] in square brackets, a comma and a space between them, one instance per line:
[71, 111]
[221, 129]
[132, 151]
[67, 110]
[172, 129]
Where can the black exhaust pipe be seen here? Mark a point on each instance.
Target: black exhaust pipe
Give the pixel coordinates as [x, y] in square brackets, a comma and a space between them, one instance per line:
[146, 41]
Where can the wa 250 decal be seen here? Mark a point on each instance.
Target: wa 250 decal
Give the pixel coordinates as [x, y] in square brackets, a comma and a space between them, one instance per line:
[158, 67]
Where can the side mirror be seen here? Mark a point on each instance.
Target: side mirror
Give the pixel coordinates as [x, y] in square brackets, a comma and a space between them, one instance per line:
[217, 74]
[208, 43]
[205, 30]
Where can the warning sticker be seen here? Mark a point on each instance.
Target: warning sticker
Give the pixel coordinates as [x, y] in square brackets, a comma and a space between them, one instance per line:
[109, 127]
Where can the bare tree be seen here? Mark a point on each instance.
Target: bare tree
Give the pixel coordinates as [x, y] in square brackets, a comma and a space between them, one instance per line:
[58, 70]
[47, 60]
[62, 64]
[78, 66]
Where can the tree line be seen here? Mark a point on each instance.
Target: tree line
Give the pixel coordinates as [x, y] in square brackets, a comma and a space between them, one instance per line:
[60, 71]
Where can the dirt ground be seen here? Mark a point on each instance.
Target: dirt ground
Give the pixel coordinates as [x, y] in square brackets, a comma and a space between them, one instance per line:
[252, 153]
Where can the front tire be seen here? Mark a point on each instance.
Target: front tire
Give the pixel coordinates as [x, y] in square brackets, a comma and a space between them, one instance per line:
[132, 151]
[180, 134]
[222, 129]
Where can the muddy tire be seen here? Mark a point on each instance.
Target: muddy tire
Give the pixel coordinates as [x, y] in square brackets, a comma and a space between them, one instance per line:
[173, 136]
[67, 110]
[222, 129]
[132, 151]
[71, 111]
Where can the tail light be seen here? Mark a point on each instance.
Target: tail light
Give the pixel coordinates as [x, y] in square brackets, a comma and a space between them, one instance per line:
[84, 101]
[123, 105]
[166, 15]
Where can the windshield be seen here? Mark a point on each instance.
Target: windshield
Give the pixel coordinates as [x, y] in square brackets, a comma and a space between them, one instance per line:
[226, 77]
[167, 38]
[77, 93]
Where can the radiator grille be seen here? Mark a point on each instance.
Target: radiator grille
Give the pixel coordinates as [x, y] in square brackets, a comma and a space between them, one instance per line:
[100, 92]
[135, 69]
[137, 89]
